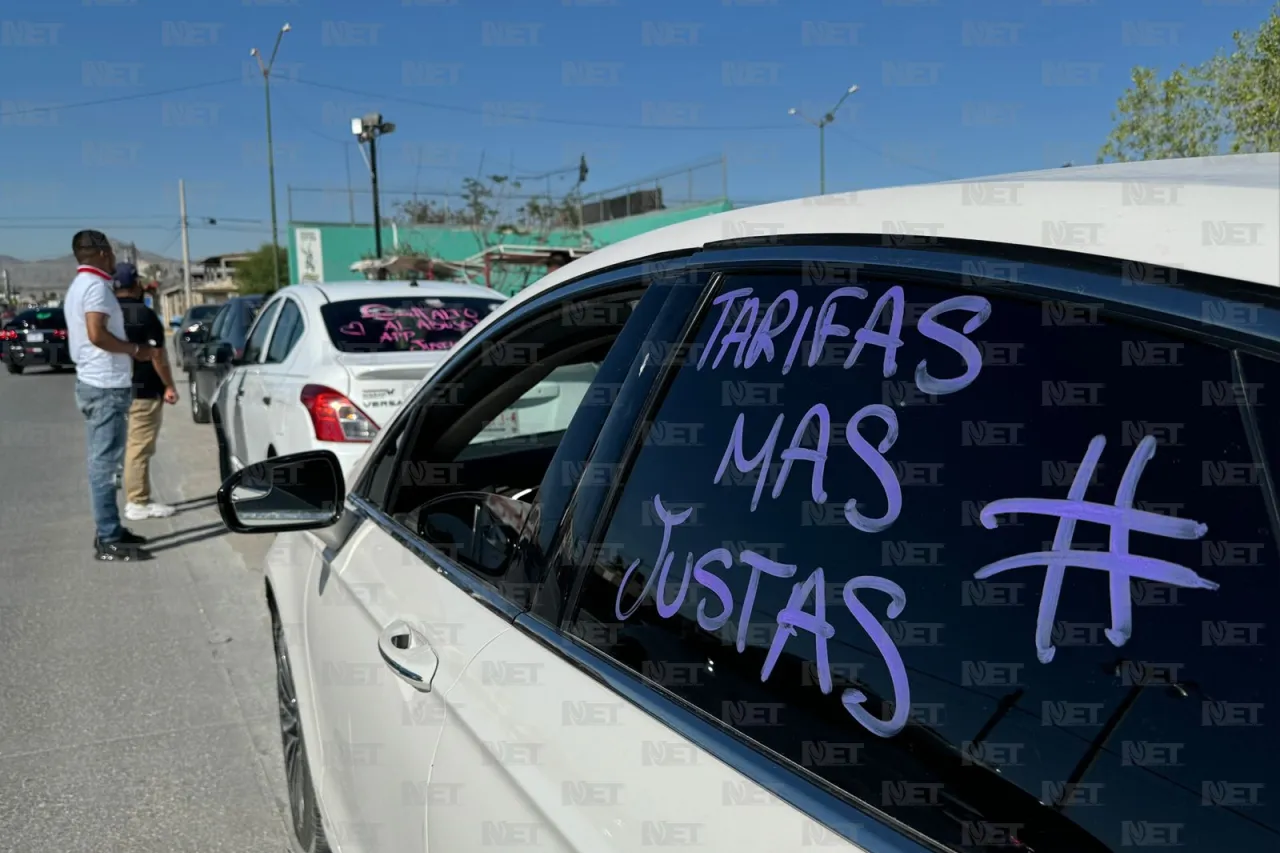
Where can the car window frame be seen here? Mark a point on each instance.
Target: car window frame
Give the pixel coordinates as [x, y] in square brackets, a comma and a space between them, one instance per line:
[1048, 274]
[285, 302]
[266, 318]
[361, 504]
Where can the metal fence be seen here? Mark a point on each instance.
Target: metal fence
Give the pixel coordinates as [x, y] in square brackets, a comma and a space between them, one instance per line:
[697, 183]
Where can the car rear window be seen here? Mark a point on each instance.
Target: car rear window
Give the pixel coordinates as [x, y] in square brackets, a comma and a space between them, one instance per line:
[403, 324]
[41, 318]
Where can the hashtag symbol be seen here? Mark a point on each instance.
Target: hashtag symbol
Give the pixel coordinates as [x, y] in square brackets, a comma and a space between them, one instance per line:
[1120, 565]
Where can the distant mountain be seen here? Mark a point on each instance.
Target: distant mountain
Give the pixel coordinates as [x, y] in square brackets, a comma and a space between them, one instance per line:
[54, 274]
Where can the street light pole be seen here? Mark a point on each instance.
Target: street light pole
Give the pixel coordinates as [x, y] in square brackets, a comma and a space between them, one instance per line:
[368, 129]
[821, 124]
[377, 211]
[271, 156]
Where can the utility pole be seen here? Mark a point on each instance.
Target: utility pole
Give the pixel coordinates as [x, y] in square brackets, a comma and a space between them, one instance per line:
[377, 213]
[271, 154]
[368, 129]
[821, 124]
[351, 196]
[186, 246]
[582, 179]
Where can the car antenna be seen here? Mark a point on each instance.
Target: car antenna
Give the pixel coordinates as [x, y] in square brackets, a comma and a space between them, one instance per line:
[413, 282]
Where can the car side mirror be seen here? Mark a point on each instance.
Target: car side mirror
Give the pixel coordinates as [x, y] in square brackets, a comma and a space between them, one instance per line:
[223, 353]
[301, 491]
[479, 529]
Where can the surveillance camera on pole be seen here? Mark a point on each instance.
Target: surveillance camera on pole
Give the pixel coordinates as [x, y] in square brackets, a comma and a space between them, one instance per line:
[368, 129]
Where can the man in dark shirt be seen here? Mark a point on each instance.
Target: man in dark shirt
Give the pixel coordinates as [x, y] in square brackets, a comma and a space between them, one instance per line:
[152, 388]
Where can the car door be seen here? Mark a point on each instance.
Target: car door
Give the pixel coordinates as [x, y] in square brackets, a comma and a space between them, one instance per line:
[200, 368]
[537, 753]
[244, 390]
[267, 416]
[417, 591]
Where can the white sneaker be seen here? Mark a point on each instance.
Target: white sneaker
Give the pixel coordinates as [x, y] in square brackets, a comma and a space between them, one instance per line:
[140, 512]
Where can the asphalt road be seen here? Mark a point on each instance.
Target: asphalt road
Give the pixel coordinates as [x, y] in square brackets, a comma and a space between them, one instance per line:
[137, 700]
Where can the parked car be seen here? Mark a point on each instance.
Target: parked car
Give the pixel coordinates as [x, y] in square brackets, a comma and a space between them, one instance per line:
[803, 569]
[214, 358]
[327, 364]
[194, 330]
[34, 338]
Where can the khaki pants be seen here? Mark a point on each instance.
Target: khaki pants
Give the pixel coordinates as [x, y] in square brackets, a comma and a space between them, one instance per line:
[144, 430]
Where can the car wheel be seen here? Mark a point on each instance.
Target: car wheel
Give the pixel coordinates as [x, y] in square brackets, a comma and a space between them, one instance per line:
[304, 811]
[199, 409]
[14, 368]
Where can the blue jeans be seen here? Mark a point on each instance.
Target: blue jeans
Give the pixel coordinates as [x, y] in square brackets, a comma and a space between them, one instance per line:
[105, 413]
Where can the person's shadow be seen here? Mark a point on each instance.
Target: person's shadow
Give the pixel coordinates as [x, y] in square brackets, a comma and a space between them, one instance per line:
[190, 536]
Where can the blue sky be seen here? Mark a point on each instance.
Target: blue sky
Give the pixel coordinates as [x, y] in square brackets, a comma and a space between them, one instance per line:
[950, 88]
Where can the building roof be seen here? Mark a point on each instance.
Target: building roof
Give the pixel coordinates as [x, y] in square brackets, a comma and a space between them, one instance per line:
[215, 260]
[1213, 215]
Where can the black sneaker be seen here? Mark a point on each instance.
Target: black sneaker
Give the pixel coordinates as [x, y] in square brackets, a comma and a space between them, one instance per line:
[127, 537]
[130, 538]
[121, 552]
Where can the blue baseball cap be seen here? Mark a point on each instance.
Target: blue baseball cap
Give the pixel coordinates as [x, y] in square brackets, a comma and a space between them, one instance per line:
[126, 276]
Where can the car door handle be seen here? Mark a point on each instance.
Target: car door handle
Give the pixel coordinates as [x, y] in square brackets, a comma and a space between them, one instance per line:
[409, 655]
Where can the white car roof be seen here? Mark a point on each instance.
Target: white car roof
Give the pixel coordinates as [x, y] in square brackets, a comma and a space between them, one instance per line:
[1177, 213]
[336, 291]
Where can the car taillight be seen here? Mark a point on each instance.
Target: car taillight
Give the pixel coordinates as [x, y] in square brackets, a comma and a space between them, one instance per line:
[8, 335]
[336, 418]
[60, 334]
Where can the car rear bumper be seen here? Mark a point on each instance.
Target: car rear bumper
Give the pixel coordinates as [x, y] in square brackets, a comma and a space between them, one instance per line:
[26, 355]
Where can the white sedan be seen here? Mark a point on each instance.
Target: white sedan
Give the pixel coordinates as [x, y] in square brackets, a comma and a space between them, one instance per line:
[326, 365]
[920, 519]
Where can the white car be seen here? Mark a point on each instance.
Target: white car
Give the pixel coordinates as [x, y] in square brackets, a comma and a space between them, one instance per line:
[931, 518]
[326, 365]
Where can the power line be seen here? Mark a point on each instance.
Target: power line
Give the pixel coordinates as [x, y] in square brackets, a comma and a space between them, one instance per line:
[123, 226]
[114, 217]
[531, 120]
[177, 232]
[134, 97]
[862, 143]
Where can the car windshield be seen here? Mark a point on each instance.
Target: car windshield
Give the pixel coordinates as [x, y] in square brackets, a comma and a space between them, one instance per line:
[200, 313]
[403, 324]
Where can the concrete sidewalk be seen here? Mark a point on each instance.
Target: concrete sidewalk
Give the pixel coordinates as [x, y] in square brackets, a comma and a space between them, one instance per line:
[138, 708]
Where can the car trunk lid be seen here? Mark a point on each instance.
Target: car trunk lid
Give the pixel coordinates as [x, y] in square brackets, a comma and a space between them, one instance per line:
[379, 383]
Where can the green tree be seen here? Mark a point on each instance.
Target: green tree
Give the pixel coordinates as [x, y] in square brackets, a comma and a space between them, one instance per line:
[253, 275]
[1228, 103]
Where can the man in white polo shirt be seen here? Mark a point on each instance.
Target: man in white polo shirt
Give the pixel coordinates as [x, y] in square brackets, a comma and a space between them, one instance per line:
[104, 386]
